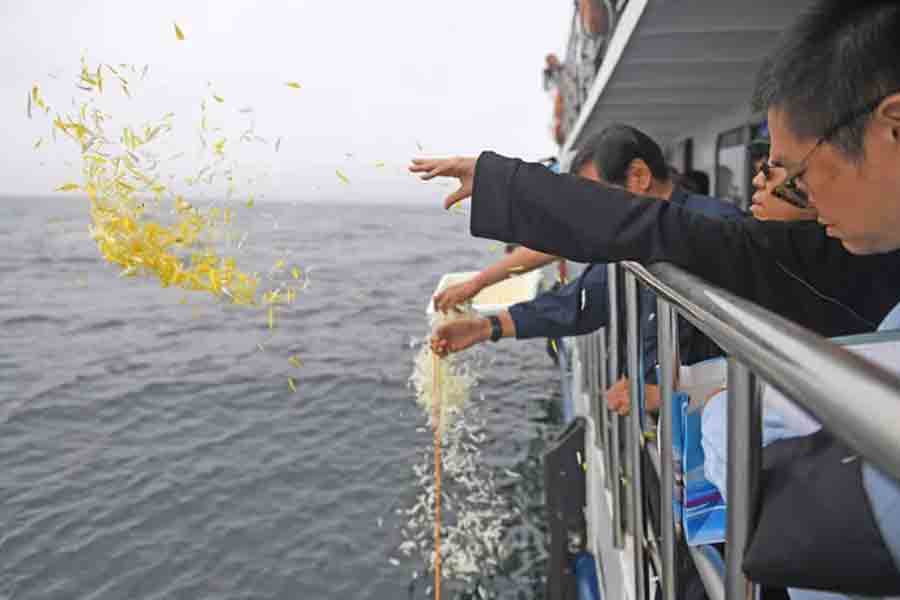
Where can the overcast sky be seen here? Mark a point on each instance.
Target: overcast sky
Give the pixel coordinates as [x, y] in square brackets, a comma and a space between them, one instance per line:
[377, 78]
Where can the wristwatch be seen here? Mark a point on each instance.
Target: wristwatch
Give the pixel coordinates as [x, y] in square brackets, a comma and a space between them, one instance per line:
[496, 328]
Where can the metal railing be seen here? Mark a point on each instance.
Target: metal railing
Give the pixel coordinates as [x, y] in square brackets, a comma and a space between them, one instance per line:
[812, 371]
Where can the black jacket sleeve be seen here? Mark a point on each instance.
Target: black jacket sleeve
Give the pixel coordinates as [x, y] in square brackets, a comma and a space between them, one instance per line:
[778, 265]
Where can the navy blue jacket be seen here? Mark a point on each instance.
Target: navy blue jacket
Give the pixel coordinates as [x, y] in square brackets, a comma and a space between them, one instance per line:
[582, 306]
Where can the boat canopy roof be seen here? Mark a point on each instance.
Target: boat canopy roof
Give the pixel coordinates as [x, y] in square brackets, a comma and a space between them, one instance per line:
[669, 66]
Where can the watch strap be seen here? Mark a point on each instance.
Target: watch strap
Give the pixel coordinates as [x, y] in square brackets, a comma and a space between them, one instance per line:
[496, 328]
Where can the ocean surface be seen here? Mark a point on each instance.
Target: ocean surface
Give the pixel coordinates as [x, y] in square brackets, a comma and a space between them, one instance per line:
[153, 449]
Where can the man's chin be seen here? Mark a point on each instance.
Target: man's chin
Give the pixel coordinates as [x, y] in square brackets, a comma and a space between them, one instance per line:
[869, 246]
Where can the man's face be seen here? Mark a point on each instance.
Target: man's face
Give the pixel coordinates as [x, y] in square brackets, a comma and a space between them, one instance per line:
[858, 202]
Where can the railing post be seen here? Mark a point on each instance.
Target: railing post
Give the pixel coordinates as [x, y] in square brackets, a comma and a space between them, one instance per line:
[667, 339]
[615, 458]
[602, 427]
[636, 432]
[744, 451]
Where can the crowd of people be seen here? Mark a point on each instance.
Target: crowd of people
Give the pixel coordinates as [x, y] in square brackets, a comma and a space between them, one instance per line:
[821, 248]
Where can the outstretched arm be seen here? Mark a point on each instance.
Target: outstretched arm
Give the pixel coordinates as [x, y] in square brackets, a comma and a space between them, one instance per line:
[521, 260]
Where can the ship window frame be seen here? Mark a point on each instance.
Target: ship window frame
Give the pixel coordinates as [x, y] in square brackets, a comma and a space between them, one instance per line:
[734, 138]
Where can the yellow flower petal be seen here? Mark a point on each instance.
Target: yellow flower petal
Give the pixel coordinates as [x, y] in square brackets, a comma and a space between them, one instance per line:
[293, 84]
[292, 385]
[179, 35]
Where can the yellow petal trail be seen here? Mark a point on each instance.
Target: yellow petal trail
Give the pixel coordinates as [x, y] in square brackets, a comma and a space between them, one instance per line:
[342, 177]
[295, 361]
[179, 35]
[127, 192]
[293, 84]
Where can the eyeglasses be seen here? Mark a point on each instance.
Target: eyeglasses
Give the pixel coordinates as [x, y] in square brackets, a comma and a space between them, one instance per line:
[788, 190]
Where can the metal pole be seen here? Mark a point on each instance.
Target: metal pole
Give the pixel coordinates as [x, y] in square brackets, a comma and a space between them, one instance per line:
[602, 434]
[636, 437]
[666, 343]
[744, 451]
[615, 458]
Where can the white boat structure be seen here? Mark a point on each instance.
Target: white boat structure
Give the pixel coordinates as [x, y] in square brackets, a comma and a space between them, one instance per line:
[682, 72]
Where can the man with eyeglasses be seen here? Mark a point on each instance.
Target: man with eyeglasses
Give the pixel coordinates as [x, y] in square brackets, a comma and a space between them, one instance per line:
[832, 91]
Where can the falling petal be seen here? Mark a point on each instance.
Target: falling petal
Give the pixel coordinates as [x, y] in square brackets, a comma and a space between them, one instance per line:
[38, 142]
[295, 272]
[277, 144]
[28, 109]
[380, 164]
[341, 176]
[419, 146]
[271, 317]
[179, 35]
[292, 385]
[295, 361]
[250, 202]
[68, 187]
[293, 84]
[218, 98]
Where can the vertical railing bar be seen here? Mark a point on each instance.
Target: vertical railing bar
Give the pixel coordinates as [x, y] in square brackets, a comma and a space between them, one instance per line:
[666, 344]
[615, 454]
[598, 400]
[744, 451]
[636, 432]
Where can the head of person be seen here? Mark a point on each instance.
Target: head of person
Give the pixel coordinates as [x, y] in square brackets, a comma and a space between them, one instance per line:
[832, 91]
[768, 206]
[625, 157]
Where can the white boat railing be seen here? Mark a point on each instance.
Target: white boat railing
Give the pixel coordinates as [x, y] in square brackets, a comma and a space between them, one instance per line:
[810, 370]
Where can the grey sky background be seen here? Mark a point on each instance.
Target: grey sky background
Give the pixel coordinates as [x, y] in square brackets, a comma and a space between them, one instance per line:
[377, 77]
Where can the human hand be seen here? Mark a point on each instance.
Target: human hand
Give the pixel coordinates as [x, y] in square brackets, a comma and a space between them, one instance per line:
[454, 295]
[459, 335]
[618, 399]
[463, 168]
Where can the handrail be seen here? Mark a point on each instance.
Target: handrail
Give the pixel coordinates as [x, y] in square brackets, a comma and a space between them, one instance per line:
[813, 371]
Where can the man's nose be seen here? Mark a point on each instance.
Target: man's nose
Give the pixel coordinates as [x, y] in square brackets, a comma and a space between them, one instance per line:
[759, 180]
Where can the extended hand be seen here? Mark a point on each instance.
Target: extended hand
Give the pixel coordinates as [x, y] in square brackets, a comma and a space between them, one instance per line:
[454, 295]
[459, 335]
[462, 168]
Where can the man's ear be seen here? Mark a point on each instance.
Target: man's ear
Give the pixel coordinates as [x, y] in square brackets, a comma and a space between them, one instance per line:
[888, 114]
[640, 176]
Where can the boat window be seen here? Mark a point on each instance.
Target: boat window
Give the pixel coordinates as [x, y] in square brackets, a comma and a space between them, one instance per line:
[732, 171]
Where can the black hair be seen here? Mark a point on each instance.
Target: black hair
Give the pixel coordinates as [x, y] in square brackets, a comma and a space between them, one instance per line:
[614, 148]
[838, 57]
[696, 181]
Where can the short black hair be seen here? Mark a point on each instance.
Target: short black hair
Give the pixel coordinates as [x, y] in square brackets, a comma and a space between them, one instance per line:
[613, 149]
[838, 57]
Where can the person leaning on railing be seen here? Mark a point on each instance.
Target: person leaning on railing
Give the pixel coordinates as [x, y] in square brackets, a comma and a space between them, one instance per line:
[832, 92]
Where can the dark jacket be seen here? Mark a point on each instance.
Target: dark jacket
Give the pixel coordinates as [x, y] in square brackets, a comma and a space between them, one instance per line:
[792, 269]
[582, 306]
